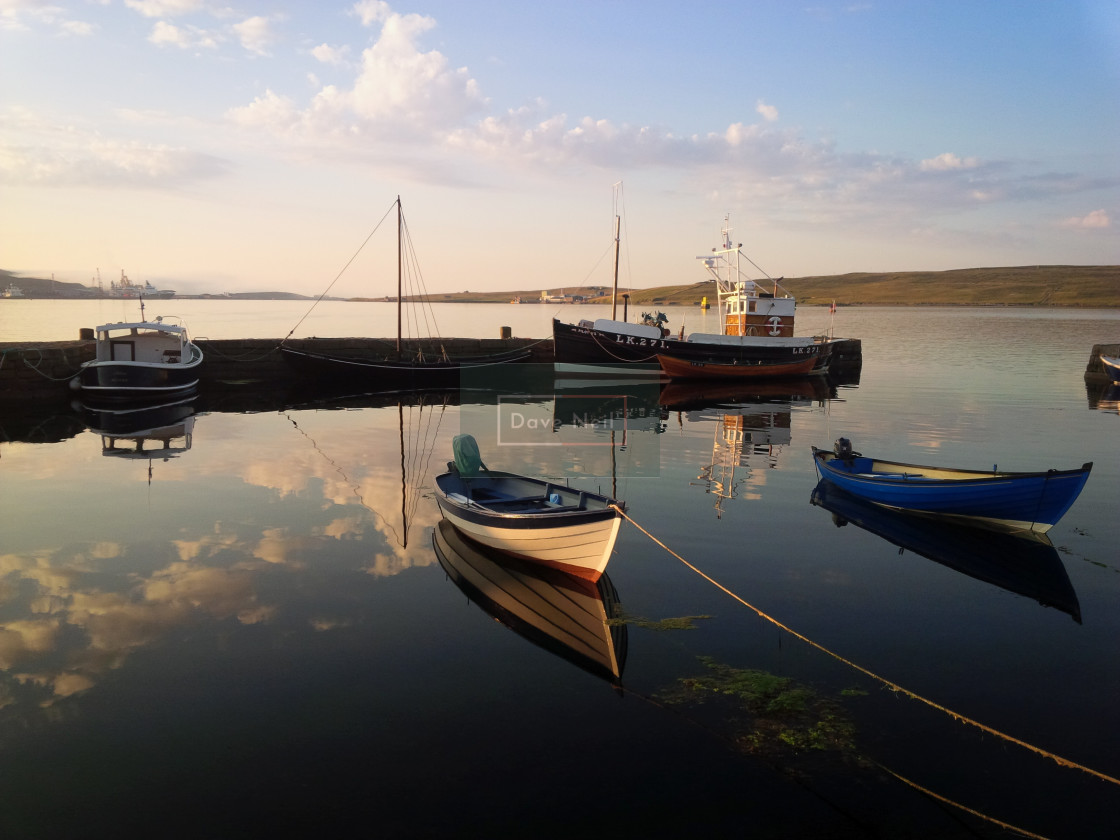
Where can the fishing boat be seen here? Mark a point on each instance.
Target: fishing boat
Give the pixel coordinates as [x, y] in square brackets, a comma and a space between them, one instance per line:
[677, 368]
[1111, 365]
[411, 365]
[140, 361]
[757, 323]
[569, 616]
[1022, 502]
[1031, 568]
[555, 525]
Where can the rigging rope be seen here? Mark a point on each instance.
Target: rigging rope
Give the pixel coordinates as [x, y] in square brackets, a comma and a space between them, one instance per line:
[341, 272]
[893, 686]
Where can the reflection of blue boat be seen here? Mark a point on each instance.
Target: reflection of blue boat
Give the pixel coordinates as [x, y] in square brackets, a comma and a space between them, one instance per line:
[567, 615]
[1026, 567]
[1111, 366]
[1015, 501]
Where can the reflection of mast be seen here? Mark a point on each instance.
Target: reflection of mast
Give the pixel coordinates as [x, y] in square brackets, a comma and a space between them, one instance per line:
[404, 478]
[415, 456]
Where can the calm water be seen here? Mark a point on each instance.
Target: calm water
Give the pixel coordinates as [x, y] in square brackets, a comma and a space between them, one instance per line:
[255, 633]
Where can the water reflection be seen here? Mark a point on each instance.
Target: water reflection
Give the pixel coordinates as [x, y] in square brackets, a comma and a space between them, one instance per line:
[1029, 567]
[158, 431]
[260, 510]
[566, 615]
[750, 428]
[1104, 397]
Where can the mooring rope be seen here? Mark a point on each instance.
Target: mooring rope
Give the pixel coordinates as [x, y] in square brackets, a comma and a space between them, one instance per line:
[893, 686]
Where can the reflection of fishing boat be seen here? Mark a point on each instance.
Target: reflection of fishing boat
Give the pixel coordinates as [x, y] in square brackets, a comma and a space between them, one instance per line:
[143, 360]
[758, 327]
[1017, 501]
[556, 525]
[688, 394]
[429, 366]
[1027, 567]
[132, 420]
[164, 431]
[564, 614]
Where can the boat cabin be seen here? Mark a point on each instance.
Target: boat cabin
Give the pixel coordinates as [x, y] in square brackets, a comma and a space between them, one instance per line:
[143, 342]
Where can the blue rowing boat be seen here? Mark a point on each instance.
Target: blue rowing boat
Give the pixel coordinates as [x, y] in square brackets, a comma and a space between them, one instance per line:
[1009, 501]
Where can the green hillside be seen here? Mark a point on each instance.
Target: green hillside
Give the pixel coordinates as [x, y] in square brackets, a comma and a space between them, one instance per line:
[1036, 285]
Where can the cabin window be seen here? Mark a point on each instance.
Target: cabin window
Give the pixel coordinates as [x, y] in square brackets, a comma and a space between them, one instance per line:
[753, 305]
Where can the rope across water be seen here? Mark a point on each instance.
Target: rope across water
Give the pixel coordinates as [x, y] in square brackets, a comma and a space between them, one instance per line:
[893, 686]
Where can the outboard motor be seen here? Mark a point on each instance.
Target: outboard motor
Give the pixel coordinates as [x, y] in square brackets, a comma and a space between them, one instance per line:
[843, 450]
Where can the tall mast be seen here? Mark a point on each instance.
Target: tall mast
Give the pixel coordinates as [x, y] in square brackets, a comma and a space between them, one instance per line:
[399, 285]
[617, 228]
[614, 292]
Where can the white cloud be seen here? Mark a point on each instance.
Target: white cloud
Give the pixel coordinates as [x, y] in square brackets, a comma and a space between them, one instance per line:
[255, 34]
[330, 55]
[165, 8]
[21, 15]
[372, 11]
[63, 157]
[947, 162]
[184, 37]
[399, 92]
[1095, 220]
[767, 112]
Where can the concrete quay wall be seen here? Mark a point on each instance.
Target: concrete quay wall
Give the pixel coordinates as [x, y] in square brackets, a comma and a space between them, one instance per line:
[40, 372]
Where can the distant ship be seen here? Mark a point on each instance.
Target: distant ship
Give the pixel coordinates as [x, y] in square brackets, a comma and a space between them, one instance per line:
[125, 288]
[13, 291]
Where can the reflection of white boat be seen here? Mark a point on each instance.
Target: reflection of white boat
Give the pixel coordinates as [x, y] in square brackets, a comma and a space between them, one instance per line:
[564, 614]
[555, 525]
[144, 360]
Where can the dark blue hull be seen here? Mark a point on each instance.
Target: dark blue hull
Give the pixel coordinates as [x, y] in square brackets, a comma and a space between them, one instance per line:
[133, 381]
[1013, 501]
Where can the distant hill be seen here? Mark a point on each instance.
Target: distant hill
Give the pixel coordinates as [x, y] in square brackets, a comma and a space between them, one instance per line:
[1096, 287]
[1087, 286]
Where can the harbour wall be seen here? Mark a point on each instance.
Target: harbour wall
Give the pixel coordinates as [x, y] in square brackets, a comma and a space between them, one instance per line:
[40, 372]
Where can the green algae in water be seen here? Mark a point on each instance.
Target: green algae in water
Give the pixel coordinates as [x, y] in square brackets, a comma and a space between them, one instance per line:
[684, 622]
[769, 715]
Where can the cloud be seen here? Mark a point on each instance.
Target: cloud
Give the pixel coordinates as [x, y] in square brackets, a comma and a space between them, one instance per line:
[948, 162]
[400, 92]
[22, 15]
[53, 155]
[768, 112]
[184, 37]
[330, 55]
[1095, 220]
[165, 8]
[255, 34]
[371, 11]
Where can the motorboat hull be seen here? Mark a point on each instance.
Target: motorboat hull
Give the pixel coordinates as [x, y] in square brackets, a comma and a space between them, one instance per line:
[1015, 501]
[567, 529]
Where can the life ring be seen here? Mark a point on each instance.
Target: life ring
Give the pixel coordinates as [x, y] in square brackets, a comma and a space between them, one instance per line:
[775, 325]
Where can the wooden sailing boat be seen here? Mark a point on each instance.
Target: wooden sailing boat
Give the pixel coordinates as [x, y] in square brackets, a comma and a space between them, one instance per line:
[422, 365]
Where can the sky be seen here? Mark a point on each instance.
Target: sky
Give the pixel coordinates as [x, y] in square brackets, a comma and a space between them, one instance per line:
[253, 146]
